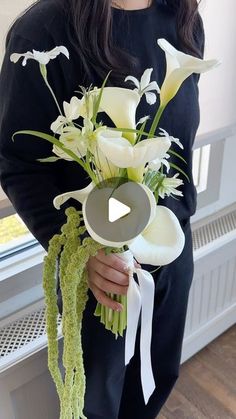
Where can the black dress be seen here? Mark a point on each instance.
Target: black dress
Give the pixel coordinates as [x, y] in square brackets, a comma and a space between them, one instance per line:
[113, 391]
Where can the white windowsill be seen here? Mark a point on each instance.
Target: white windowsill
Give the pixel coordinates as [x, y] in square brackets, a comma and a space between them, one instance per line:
[21, 261]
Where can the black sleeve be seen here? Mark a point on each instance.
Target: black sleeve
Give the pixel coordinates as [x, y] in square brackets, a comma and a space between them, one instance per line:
[25, 103]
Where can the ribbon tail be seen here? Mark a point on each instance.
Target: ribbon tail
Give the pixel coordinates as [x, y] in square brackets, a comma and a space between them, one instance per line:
[133, 313]
[147, 290]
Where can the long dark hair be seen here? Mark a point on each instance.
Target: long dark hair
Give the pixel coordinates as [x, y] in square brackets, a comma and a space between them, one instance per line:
[90, 33]
[92, 28]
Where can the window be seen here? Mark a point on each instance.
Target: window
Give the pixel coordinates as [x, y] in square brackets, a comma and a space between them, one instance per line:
[201, 160]
[14, 235]
[207, 169]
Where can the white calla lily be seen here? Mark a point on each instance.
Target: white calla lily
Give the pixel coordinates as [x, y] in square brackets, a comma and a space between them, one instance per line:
[123, 154]
[120, 105]
[43, 57]
[179, 67]
[161, 242]
[152, 201]
[79, 195]
[99, 238]
[106, 167]
[112, 103]
[145, 86]
[116, 244]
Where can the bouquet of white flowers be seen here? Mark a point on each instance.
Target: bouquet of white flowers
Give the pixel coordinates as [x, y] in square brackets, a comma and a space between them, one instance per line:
[127, 152]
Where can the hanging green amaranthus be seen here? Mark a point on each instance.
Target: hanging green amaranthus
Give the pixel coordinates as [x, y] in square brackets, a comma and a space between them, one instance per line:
[74, 256]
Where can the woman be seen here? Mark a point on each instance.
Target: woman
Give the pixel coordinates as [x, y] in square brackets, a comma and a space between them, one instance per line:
[102, 35]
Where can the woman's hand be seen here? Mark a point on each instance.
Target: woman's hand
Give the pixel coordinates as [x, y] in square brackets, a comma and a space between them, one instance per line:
[107, 273]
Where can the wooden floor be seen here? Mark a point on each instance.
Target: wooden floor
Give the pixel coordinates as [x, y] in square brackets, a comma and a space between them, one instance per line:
[206, 388]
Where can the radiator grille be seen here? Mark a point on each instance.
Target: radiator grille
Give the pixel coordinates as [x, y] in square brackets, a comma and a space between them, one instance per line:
[22, 331]
[213, 230]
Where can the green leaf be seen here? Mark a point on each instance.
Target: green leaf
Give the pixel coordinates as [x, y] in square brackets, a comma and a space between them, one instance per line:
[51, 159]
[97, 104]
[52, 140]
[143, 126]
[179, 170]
[136, 131]
[177, 155]
[153, 179]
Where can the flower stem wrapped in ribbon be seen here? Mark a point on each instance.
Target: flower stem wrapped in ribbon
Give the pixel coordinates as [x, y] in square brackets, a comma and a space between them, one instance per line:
[126, 150]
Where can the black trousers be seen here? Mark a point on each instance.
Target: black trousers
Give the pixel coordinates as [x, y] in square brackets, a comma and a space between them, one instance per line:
[114, 391]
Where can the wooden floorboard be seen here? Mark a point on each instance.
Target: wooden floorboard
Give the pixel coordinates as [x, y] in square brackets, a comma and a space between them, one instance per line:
[206, 388]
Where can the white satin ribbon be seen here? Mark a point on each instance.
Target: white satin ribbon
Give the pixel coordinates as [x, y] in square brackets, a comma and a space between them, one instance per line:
[147, 289]
[140, 297]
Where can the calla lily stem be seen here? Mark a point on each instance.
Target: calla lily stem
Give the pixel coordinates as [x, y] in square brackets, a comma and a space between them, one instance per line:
[156, 121]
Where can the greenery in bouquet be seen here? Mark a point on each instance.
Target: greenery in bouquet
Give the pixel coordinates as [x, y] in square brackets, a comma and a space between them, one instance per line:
[127, 150]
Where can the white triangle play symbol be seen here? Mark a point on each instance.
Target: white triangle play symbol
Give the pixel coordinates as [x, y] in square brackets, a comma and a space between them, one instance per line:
[116, 210]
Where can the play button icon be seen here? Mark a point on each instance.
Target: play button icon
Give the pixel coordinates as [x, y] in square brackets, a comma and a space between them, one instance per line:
[117, 210]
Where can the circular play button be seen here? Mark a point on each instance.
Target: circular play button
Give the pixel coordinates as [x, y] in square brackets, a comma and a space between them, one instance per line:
[116, 211]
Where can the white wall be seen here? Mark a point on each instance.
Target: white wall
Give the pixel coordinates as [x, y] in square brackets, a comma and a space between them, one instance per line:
[218, 93]
[9, 9]
[218, 88]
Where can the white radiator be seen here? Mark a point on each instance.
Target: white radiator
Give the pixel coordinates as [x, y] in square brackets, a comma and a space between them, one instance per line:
[212, 300]
[26, 390]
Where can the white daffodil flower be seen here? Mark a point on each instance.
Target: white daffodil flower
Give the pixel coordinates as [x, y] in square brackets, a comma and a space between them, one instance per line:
[122, 154]
[171, 138]
[73, 140]
[79, 195]
[145, 86]
[169, 186]
[161, 242]
[91, 135]
[58, 125]
[72, 111]
[88, 129]
[179, 67]
[105, 169]
[156, 164]
[88, 101]
[42, 57]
